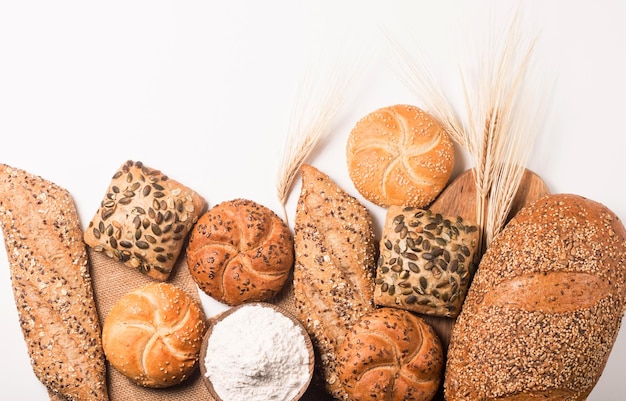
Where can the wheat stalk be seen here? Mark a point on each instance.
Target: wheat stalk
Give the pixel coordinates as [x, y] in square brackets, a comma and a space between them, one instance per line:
[504, 146]
[500, 125]
[414, 71]
[319, 98]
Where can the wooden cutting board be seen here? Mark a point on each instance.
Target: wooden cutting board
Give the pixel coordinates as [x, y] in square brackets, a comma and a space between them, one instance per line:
[459, 199]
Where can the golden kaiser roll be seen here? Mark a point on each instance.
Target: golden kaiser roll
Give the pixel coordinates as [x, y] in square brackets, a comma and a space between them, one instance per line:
[391, 354]
[240, 251]
[153, 335]
[399, 155]
[544, 308]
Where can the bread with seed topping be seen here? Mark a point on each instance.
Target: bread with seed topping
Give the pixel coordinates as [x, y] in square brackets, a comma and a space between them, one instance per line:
[143, 219]
[399, 155]
[240, 251]
[334, 268]
[52, 286]
[544, 308]
[153, 335]
[426, 261]
[391, 354]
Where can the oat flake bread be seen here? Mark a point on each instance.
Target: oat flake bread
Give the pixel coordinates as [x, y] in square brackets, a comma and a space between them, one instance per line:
[240, 251]
[399, 155]
[144, 219]
[391, 354]
[334, 267]
[545, 306]
[52, 286]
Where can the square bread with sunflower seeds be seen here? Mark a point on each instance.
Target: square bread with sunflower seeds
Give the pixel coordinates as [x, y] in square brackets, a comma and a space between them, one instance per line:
[144, 219]
[426, 261]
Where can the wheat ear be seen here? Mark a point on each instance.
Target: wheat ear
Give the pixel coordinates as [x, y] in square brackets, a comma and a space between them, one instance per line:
[414, 71]
[319, 98]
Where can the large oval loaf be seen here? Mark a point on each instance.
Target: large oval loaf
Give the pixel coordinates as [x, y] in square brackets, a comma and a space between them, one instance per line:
[545, 306]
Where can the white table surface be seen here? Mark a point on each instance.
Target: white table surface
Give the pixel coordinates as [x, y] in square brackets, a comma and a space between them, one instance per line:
[204, 91]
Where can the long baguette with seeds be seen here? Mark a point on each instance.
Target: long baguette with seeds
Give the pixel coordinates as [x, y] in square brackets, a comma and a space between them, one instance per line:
[334, 268]
[144, 219]
[52, 286]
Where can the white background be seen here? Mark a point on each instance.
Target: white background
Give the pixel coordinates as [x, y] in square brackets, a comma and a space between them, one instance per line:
[205, 92]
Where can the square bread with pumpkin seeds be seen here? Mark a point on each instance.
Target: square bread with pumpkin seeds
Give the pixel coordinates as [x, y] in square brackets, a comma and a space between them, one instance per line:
[144, 219]
[426, 261]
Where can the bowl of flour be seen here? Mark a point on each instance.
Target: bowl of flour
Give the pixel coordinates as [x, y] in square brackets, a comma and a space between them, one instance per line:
[256, 352]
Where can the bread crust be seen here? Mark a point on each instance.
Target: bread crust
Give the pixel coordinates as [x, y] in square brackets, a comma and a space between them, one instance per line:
[240, 251]
[52, 285]
[545, 306]
[399, 155]
[334, 268]
[391, 354]
[153, 335]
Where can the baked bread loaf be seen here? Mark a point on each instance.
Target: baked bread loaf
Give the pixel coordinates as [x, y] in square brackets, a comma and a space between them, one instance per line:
[334, 268]
[391, 354]
[426, 261]
[399, 155]
[240, 251]
[544, 308]
[144, 219]
[52, 285]
[153, 335]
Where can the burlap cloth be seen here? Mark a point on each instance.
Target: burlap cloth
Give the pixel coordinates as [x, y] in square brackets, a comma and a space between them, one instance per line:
[112, 280]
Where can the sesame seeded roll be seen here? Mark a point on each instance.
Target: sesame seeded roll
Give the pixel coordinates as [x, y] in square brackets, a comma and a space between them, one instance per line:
[399, 155]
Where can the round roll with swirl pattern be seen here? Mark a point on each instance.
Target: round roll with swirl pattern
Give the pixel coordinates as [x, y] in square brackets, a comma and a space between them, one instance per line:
[399, 155]
[240, 251]
[153, 335]
[391, 354]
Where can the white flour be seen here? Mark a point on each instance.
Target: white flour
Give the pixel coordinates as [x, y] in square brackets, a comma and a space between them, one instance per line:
[257, 354]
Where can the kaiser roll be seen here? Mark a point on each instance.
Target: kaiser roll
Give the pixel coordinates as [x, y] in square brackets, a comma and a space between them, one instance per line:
[240, 251]
[399, 155]
[153, 335]
[391, 354]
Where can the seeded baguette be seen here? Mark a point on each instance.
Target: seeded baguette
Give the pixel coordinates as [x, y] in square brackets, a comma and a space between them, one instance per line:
[334, 268]
[143, 219]
[544, 308]
[52, 286]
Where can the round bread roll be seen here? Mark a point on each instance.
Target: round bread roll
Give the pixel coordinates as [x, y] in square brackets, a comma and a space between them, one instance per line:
[399, 155]
[153, 335]
[391, 354]
[240, 251]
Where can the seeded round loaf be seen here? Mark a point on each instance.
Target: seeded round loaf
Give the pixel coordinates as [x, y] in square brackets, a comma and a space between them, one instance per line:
[153, 335]
[240, 251]
[544, 308]
[144, 219]
[391, 354]
[399, 155]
